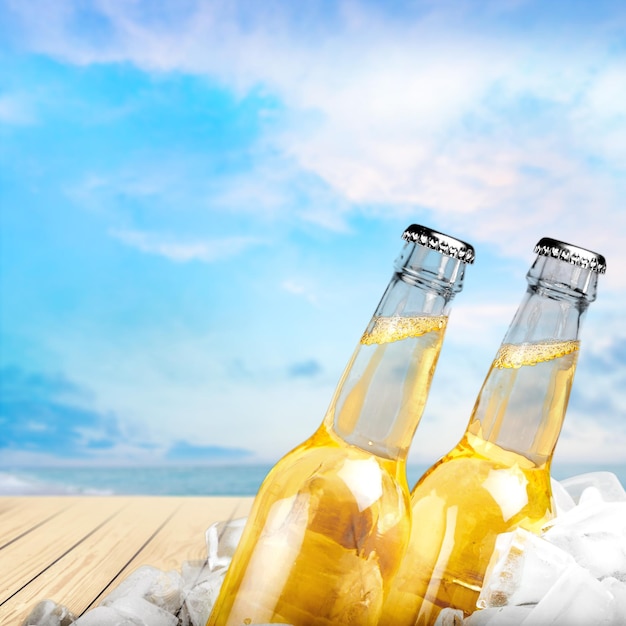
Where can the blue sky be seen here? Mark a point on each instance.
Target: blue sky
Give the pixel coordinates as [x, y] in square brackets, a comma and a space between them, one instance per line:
[201, 203]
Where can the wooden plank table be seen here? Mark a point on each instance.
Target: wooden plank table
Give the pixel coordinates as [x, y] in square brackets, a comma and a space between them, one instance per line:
[76, 549]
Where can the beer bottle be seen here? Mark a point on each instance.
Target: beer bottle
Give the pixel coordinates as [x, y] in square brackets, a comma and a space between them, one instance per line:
[498, 476]
[330, 523]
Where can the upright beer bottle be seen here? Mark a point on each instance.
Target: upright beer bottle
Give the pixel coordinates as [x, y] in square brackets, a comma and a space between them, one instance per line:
[331, 521]
[498, 477]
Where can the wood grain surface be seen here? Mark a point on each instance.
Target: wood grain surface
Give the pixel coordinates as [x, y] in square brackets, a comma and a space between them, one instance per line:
[76, 549]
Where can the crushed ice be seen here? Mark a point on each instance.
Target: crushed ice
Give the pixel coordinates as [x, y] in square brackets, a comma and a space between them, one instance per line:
[574, 574]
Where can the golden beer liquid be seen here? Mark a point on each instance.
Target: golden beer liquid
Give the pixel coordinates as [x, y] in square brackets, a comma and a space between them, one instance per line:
[481, 489]
[330, 523]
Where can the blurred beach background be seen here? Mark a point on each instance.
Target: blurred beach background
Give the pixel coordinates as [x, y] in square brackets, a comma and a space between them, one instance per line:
[201, 202]
[212, 480]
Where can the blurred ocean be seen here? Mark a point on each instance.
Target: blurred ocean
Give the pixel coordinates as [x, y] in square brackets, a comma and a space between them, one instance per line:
[214, 480]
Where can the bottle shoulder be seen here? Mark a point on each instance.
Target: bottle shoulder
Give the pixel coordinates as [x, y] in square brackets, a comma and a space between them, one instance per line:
[326, 470]
[480, 480]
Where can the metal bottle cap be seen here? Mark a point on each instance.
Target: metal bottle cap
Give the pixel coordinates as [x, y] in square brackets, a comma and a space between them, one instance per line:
[439, 242]
[571, 254]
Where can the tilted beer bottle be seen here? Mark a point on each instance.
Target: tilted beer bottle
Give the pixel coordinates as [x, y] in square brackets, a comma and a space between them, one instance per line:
[330, 522]
[498, 477]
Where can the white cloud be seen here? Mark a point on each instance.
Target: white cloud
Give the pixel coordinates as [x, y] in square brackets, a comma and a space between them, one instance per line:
[166, 246]
[585, 440]
[606, 95]
[497, 129]
[297, 288]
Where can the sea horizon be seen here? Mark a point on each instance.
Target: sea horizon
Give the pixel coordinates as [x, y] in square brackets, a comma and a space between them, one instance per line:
[225, 479]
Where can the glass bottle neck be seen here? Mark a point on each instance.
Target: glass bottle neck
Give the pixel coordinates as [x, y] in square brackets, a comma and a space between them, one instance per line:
[382, 392]
[546, 316]
[523, 401]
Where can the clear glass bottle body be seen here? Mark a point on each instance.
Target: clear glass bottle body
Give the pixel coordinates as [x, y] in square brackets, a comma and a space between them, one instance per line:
[331, 521]
[498, 476]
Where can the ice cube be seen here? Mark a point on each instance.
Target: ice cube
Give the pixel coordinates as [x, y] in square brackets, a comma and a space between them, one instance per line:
[521, 568]
[499, 616]
[194, 572]
[143, 612]
[201, 585]
[606, 484]
[222, 539]
[49, 613]
[595, 535]
[200, 598]
[198, 605]
[563, 500]
[450, 617]
[106, 616]
[163, 589]
[184, 619]
[576, 599]
[617, 589]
